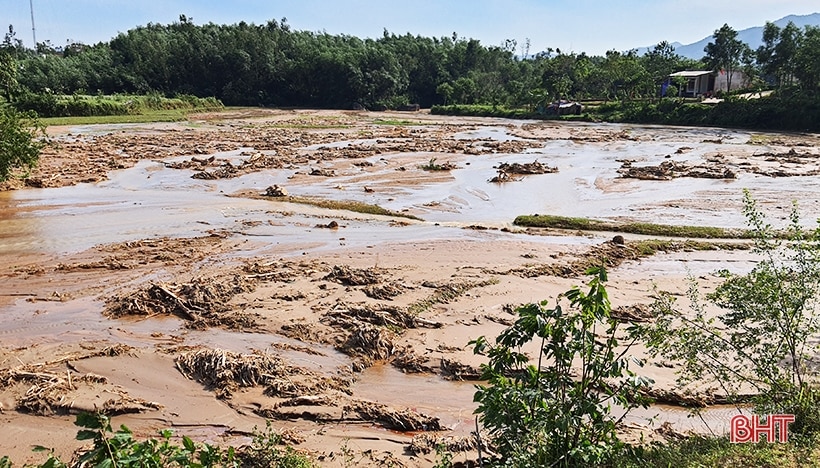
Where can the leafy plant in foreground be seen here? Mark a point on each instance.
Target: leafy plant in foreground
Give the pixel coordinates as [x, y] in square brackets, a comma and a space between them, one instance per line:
[763, 338]
[121, 449]
[559, 411]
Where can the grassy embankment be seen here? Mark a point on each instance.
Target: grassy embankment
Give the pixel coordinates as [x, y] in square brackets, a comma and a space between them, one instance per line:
[87, 110]
[649, 229]
[348, 205]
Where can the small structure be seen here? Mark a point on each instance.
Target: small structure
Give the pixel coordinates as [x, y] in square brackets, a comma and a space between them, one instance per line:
[698, 82]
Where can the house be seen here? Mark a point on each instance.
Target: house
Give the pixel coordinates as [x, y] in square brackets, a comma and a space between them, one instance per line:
[694, 83]
[697, 83]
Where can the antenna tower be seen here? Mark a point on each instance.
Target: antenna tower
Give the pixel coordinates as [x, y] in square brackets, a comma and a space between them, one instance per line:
[33, 32]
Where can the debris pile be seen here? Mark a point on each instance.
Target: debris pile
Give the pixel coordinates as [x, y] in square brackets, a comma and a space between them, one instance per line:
[633, 313]
[203, 302]
[391, 418]
[425, 443]
[353, 276]
[225, 371]
[669, 170]
[275, 191]
[534, 167]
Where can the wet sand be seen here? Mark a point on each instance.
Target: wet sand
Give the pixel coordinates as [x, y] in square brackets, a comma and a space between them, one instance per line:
[118, 265]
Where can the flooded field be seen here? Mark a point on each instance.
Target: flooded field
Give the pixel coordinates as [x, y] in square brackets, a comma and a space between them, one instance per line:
[137, 246]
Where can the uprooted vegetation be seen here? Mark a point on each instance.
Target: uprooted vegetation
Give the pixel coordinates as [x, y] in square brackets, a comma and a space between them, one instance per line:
[669, 170]
[56, 387]
[226, 371]
[203, 302]
[445, 293]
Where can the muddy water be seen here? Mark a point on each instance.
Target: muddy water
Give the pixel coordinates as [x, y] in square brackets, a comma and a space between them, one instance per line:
[453, 403]
[150, 200]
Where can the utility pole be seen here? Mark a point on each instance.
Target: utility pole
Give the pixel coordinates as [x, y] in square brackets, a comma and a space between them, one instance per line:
[33, 32]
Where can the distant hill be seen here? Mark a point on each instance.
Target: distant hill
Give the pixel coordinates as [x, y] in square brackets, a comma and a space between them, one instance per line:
[751, 36]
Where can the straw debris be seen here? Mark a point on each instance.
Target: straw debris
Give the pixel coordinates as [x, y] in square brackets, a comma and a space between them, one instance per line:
[202, 302]
[391, 418]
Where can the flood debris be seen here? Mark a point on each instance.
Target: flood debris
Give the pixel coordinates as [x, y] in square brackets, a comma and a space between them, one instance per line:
[275, 191]
[453, 370]
[669, 170]
[368, 343]
[322, 172]
[278, 270]
[370, 331]
[446, 293]
[193, 163]
[398, 318]
[56, 387]
[534, 167]
[330, 225]
[426, 443]
[668, 432]
[203, 302]
[408, 361]
[226, 371]
[633, 313]
[391, 418]
[789, 164]
[502, 177]
[385, 291]
[348, 276]
[226, 171]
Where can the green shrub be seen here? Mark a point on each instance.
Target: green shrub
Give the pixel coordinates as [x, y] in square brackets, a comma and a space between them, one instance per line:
[19, 143]
[548, 414]
[763, 339]
[121, 449]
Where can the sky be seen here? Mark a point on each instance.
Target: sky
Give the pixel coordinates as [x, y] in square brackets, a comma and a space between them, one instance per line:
[591, 26]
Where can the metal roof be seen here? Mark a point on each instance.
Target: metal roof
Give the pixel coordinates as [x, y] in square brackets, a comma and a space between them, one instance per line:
[691, 73]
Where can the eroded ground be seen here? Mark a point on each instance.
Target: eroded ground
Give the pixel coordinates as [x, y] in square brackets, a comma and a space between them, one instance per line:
[173, 276]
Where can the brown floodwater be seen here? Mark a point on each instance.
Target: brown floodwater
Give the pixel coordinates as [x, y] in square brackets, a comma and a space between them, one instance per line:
[151, 200]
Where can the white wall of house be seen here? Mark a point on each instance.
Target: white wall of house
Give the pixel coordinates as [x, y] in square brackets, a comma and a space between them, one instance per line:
[739, 80]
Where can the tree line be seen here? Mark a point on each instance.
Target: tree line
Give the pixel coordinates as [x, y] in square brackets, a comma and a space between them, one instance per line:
[273, 65]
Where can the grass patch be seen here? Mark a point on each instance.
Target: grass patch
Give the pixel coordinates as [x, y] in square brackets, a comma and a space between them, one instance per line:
[432, 165]
[175, 115]
[649, 247]
[348, 205]
[586, 224]
[720, 453]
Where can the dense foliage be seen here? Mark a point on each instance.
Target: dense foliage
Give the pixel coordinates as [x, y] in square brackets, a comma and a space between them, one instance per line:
[273, 65]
